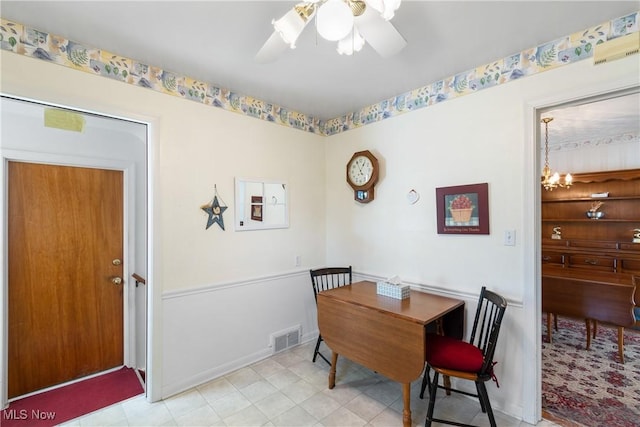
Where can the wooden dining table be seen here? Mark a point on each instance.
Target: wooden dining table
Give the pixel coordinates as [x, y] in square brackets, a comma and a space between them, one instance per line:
[385, 334]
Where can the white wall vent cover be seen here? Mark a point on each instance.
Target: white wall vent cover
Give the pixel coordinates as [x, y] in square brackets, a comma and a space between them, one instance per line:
[617, 48]
[285, 339]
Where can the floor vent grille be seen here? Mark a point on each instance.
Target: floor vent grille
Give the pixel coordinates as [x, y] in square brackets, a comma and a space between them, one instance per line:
[285, 339]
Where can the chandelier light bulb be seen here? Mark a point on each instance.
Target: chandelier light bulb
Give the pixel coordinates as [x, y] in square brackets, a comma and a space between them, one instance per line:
[568, 180]
[334, 20]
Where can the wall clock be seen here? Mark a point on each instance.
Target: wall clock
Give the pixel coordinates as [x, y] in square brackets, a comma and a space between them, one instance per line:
[362, 175]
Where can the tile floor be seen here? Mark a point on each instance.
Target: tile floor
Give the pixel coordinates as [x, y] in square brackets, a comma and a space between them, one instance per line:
[287, 389]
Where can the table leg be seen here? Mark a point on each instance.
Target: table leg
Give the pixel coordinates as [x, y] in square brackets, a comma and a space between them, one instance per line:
[620, 343]
[406, 397]
[332, 371]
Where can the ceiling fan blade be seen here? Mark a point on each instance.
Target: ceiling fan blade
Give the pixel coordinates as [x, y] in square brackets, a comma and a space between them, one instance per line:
[380, 33]
[272, 49]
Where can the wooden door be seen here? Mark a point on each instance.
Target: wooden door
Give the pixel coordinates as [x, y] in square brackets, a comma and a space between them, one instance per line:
[65, 312]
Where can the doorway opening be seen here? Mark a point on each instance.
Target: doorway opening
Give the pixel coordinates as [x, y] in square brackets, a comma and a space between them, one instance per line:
[65, 142]
[592, 134]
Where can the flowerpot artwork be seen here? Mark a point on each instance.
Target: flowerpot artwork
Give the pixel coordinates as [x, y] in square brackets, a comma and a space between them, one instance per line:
[461, 208]
[461, 215]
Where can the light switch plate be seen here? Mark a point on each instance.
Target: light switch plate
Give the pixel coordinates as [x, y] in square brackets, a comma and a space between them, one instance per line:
[510, 237]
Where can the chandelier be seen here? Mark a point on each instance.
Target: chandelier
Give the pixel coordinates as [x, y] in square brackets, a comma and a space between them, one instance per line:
[350, 23]
[549, 180]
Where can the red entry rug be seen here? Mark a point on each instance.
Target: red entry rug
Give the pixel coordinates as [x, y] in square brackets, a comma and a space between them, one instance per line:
[591, 387]
[74, 400]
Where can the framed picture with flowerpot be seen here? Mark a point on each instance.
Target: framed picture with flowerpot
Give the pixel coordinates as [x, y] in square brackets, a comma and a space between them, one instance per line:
[463, 209]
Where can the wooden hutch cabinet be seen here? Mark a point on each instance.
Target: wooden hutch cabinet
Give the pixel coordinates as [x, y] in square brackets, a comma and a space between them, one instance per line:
[591, 267]
[604, 244]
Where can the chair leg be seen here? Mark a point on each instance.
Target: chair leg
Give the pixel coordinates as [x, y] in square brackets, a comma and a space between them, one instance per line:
[588, 325]
[426, 381]
[482, 394]
[317, 353]
[483, 407]
[432, 399]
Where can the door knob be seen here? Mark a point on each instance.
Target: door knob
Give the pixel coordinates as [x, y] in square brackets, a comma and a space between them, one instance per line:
[116, 280]
[116, 262]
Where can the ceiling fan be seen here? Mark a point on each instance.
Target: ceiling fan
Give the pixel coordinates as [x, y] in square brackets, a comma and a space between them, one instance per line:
[351, 23]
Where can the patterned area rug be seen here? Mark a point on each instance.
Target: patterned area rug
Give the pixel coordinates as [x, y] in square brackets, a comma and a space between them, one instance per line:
[591, 387]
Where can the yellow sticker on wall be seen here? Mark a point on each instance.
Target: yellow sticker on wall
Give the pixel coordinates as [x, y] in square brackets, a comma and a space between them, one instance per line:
[63, 119]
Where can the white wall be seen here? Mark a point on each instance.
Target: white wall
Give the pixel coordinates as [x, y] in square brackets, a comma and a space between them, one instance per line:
[192, 148]
[483, 137]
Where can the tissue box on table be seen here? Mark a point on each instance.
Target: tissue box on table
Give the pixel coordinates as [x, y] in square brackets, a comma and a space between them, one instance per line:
[393, 288]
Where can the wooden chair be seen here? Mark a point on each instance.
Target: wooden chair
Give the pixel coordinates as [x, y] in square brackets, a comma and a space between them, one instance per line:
[324, 279]
[471, 360]
[592, 327]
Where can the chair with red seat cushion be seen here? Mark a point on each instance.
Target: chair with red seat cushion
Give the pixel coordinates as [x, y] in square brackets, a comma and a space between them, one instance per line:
[324, 279]
[472, 360]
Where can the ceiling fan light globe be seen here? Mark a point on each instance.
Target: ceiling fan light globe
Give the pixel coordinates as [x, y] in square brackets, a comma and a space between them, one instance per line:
[390, 6]
[378, 5]
[334, 20]
[289, 27]
[386, 8]
[354, 42]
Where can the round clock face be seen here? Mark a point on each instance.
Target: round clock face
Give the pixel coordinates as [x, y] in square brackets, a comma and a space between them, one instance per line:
[360, 170]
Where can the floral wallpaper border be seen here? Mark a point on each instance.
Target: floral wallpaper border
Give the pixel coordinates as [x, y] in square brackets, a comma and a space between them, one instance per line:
[23, 40]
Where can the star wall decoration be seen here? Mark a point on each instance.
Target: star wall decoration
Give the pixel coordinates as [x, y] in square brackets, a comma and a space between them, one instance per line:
[215, 210]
